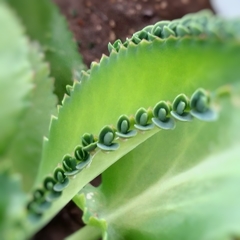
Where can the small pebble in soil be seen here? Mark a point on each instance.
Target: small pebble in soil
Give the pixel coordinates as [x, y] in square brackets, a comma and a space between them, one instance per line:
[98, 28]
[112, 23]
[138, 7]
[148, 13]
[112, 36]
[163, 5]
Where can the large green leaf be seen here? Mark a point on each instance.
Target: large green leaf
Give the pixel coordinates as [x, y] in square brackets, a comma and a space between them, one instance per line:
[26, 103]
[45, 24]
[138, 73]
[26, 148]
[156, 71]
[15, 75]
[177, 185]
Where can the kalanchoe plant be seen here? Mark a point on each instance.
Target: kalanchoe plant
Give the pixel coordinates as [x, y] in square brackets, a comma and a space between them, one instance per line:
[158, 118]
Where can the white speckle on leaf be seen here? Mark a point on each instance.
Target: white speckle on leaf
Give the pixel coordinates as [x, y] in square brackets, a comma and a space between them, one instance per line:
[89, 195]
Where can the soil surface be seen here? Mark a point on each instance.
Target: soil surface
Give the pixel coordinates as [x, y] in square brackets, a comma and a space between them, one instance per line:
[94, 23]
[97, 22]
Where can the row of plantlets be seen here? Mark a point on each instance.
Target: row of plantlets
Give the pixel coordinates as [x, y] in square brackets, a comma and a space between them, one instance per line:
[156, 184]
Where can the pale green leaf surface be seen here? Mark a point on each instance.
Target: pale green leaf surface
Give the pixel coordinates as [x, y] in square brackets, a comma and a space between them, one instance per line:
[12, 202]
[88, 232]
[182, 184]
[75, 118]
[26, 148]
[138, 76]
[45, 24]
[15, 75]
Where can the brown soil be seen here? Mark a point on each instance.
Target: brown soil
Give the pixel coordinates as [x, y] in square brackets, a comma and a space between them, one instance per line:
[94, 23]
[97, 22]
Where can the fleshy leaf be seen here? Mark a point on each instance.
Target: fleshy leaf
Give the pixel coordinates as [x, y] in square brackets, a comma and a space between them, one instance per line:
[15, 75]
[136, 76]
[45, 24]
[12, 207]
[26, 148]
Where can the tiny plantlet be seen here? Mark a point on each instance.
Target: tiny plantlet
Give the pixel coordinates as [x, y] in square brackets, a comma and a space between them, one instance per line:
[159, 119]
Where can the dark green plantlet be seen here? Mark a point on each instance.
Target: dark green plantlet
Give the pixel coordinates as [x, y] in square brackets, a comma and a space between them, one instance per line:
[124, 126]
[158, 28]
[195, 28]
[89, 142]
[62, 180]
[142, 119]
[135, 39]
[167, 32]
[83, 156]
[106, 138]
[39, 207]
[162, 117]
[49, 183]
[38, 194]
[182, 31]
[69, 165]
[39, 204]
[181, 108]
[51, 194]
[157, 31]
[115, 46]
[200, 106]
[173, 24]
[142, 35]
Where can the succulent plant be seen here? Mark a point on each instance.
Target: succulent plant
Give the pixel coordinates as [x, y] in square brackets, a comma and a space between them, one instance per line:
[180, 75]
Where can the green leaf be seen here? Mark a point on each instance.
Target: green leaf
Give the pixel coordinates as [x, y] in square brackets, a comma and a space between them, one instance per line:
[26, 148]
[182, 184]
[12, 203]
[15, 75]
[45, 24]
[134, 77]
[126, 96]
[88, 232]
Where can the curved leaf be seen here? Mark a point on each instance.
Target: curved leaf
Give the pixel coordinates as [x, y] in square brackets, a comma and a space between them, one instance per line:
[26, 148]
[11, 207]
[15, 75]
[44, 23]
[137, 74]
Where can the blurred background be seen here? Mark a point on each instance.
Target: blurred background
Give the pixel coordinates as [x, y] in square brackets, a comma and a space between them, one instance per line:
[92, 24]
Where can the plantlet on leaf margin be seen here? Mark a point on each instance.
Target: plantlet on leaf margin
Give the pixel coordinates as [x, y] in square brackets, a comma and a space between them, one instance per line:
[51, 194]
[62, 180]
[83, 156]
[89, 142]
[142, 119]
[200, 108]
[124, 125]
[106, 138]
[69, 165]
[162, 117]
[190, 25]
[181, 108]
